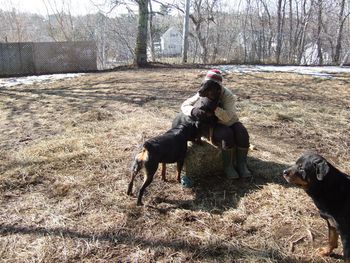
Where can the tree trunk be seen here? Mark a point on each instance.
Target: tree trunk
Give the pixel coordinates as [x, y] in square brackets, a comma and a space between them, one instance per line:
[268, 36]
[140, 59]
[339, 33]
[303, 31]
[245, 30]
[203, 15]
[185, 32]
[319, 28]
[291, 42]
[151, 38]
[201, 39]
[279, 32]
[345, 59]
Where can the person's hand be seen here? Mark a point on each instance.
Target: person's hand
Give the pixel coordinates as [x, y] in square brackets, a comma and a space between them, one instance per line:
[198, 113]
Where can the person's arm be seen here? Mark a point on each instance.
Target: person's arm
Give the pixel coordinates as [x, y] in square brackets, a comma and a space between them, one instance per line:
[228, 110]
[187, 105]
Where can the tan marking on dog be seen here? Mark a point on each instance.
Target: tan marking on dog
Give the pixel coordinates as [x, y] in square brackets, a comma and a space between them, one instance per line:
[294, 179]
[143, 155]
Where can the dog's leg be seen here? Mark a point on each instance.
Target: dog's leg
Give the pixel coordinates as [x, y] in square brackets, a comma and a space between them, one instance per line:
[163, 172]
[179, 166]
[137, 165]
[133, 175]
[332, 240]
[151, 169]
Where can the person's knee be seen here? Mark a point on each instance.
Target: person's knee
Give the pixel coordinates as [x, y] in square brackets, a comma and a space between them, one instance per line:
[241, 135]
[223, 137]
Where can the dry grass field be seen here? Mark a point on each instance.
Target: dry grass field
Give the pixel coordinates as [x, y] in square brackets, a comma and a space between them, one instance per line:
[66, 149]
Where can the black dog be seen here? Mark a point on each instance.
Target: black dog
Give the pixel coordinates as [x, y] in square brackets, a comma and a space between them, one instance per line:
[211, 90]
[205, 124]
[330, 190]
[169, 147]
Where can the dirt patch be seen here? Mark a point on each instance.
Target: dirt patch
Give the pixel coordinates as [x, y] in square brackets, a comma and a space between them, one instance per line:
[66, 149]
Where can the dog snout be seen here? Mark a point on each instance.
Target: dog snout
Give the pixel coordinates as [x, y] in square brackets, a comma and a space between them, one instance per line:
[285, 172]
[202, 91]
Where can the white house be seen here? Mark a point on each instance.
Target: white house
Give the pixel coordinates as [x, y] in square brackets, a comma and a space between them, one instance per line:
[171, 42]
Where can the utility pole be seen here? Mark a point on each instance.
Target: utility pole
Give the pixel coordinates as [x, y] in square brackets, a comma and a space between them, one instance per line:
[185, 31]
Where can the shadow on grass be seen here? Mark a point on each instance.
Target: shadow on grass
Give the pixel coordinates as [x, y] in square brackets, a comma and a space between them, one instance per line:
[87, 97]
[210, 251]
[216, 194]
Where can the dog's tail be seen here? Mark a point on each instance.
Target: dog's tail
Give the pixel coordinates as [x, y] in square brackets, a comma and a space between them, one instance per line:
[139, 160]
[137, 165]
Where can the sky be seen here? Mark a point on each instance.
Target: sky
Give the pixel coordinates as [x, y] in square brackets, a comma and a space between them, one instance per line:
[77, 7]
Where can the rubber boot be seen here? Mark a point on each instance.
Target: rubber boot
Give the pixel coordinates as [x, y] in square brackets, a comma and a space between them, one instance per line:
[241, 162]
[227, 156]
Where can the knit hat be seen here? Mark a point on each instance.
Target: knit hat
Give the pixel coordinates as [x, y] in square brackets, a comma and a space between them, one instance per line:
[214, 75]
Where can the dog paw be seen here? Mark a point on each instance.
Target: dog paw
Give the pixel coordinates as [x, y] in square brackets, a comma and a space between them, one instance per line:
[324, 251]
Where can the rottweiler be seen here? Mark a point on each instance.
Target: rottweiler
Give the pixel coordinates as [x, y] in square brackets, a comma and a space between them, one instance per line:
[169, 147]
[204, 125]
[330, 190]
[210, 89]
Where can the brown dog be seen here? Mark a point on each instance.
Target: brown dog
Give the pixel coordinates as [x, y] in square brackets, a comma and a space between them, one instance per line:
[330, 190]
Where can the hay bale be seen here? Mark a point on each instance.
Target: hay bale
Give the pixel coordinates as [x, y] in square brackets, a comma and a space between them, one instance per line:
[203, 160]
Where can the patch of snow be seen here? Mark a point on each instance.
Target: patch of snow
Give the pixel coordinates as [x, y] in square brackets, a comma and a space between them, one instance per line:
[15, 81]
[323, 72]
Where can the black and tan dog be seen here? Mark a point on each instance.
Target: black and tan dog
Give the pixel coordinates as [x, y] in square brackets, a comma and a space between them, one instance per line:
[210, 89]
[169, 147]
[204, 126]
[330, 190]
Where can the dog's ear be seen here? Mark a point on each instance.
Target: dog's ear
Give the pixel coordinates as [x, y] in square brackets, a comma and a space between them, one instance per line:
[217, 92]
[321, 168]
[203, 87]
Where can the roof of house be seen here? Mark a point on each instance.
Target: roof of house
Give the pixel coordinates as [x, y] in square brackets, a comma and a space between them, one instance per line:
[170, 30]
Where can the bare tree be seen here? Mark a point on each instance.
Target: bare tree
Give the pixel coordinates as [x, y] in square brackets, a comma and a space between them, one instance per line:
[319, 28]
[140, 59]
[202, 17]
[140, 50]
[280, 25]
[185, 31]
[245, 30]
[341, 20]
[16, 26]
[307, 7]
[151, 33]
[259, 31]
[60, 19]
[290, 42]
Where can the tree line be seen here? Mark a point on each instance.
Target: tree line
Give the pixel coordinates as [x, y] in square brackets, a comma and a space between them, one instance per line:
[246, 31]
